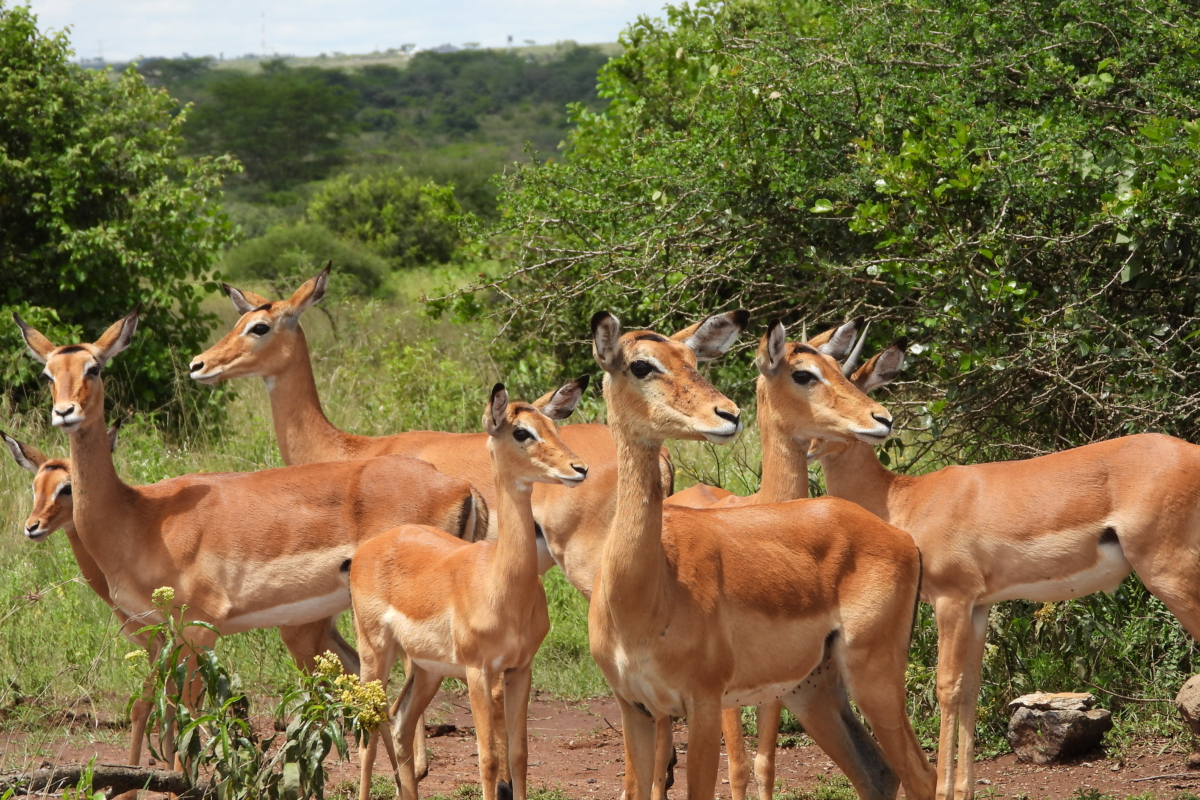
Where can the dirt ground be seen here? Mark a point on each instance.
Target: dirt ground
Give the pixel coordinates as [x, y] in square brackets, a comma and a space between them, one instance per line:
[576, 747]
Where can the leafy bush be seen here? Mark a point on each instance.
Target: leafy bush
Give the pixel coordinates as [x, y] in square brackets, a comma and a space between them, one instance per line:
[285, 125]
[409, 222]
[99, 211]
[286, 253]
[1014, 185]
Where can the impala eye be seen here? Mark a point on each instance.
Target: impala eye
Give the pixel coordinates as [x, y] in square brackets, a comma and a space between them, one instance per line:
[65, 490]
[801, 377]
[641, 369]
[92, 371]
[47, 377]
[522, 435]
[261, 329]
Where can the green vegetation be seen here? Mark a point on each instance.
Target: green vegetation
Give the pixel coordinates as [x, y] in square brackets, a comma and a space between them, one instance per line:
[98, 212]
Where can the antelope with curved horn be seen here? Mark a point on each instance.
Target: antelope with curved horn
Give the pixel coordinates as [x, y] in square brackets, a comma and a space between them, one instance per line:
[784, 478]
[471, 611]
[52, 510]
[269, 342]
[241, 550]
[1044, 529]
[699, 609]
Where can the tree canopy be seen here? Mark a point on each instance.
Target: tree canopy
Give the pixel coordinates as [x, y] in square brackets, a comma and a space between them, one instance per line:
[1013, 184]
[98, 212]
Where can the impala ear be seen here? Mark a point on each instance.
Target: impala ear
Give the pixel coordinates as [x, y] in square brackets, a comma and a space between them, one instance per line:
[244, 301]
[606, 340]
[27, 457]
[883, 368]
[112, 435]
[39, 346]
[560, 403]
[839, 341]
[713, 336]
[312, 291]
[494, 411]
[118, 336]
[772, 349]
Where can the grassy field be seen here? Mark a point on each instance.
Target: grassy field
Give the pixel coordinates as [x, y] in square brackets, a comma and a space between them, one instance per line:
[383, 367]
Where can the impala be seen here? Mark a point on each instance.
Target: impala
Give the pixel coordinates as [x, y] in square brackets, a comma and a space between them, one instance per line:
[782, 399]
[698, 609]
[268, 342]
[52, 510]
[471, 611]
[242, 551]
[1044, 529]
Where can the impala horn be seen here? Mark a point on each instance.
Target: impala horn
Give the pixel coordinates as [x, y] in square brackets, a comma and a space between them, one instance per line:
[852, 359]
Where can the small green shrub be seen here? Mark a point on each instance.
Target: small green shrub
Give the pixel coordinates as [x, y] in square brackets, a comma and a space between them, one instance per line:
[290, 254]
[409, 222]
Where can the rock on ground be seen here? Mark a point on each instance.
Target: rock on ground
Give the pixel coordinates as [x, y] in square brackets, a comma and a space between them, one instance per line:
[1047, 728]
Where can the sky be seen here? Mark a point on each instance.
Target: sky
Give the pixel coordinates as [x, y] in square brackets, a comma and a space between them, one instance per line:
[120, 30]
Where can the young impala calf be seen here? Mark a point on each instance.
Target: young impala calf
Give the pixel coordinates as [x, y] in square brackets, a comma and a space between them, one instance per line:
[241, 550]
[52, 510]
[471, 611]
[699, 609]
[1044, 529]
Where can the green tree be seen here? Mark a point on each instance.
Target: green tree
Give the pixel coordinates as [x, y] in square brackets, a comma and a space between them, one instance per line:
[410, 222]
[1011, 183]
[288, 255]
[98, 212]
[285, 125]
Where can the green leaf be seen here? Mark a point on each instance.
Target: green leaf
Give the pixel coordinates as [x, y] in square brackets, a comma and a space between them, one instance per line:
[822, 206]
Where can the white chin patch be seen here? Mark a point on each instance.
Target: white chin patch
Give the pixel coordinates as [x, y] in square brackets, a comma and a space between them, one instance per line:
[872, 438]
[570, 482]
[37, 536]
[207, 380]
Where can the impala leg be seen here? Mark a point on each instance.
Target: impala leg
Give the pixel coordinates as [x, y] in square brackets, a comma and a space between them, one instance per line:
[823, 708]
[479, 689]
[504, 786]
[972, 667]
[704, 747]
[954, 632]
[139, 716]
[420, 686]
[767, 716]
[638, 731]
[735, 748]
[378, 655]
[874, 670]
[516, 713]
[420, 750]
[664, 749]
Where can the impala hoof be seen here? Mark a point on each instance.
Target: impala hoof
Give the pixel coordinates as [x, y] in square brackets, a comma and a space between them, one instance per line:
[503, 791]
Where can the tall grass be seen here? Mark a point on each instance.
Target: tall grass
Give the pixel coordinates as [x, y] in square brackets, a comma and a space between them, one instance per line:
[384, 367]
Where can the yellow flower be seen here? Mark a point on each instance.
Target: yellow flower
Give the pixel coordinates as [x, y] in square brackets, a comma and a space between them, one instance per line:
[328, 666]
[163, 596]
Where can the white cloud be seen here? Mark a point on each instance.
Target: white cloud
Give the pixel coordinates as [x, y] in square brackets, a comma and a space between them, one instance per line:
[124, 29]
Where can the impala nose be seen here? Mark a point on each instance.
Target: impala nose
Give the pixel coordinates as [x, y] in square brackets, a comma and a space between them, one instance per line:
[31, 529]
[65, 412]
[581, 469]
[882, 420]
[734, 418]
[196, 366]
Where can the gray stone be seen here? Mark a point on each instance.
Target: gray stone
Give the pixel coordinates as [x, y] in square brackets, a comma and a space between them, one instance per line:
[1049, 736]
[1054, 701]
[1188, 703]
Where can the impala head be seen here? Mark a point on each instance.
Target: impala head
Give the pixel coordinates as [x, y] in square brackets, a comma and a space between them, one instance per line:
[880, 370]
[262, 341]
[808, 391]
[73, 371]
[651, 384]
[523, 437]
[52, 501]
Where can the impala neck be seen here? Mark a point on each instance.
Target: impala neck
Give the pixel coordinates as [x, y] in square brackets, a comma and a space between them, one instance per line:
[515, 567]
[633, 558]
[97, 491]
[304, 433]
[855, 473]
[784, 460]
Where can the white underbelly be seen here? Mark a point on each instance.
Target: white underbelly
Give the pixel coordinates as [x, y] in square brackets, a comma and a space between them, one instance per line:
[299, 612]
[1109, 570]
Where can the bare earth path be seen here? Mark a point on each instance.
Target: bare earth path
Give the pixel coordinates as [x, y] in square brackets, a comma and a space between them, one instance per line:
[575, 747]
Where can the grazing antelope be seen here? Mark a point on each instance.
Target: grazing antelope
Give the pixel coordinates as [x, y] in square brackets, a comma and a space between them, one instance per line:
[699, 609]
[268, 342]
[52, 510]
[1045, 529]
[471, 611]
[783, 397]
[241, 550]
